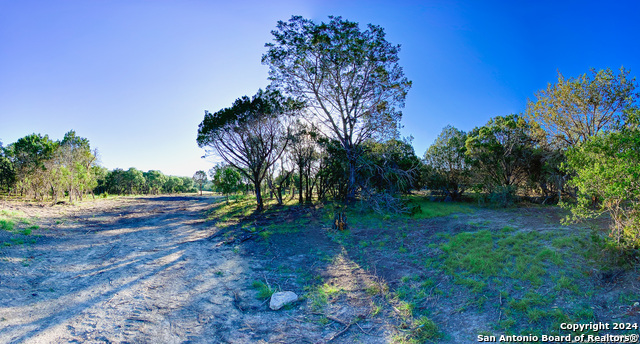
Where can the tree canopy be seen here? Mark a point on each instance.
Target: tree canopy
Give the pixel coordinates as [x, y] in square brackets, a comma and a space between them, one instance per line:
[349, 78]
[446, 157]
[607, 175]
[575, 109]
[251, 135]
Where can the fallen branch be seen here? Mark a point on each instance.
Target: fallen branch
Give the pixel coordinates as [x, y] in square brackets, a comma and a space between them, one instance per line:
[339, 333]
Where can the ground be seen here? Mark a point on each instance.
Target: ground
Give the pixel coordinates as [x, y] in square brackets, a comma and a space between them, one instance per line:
[177, 269]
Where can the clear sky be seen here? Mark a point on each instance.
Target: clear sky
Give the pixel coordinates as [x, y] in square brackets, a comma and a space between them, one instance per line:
[134, 77]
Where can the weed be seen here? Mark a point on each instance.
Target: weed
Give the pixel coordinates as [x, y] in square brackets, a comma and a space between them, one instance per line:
[476, 286]
[7, 224]
[264, 290]
[317, 297]
[377, 289]
[425, 329]
[563, 242]
[535, 315]
[529, 300]
[437, 209]
[266, 234]
[566, 283]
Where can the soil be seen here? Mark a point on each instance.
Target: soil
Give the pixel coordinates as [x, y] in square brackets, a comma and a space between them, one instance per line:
[157, 269]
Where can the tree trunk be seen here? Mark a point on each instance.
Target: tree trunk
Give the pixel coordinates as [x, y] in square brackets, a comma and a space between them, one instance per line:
[260, 206]
[300, 186]
[351, 183]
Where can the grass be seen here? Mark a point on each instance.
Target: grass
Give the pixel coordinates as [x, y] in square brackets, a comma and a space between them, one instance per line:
[7, 224]
[264, 290]
[435, 209]
[15, 222]
[531, 278]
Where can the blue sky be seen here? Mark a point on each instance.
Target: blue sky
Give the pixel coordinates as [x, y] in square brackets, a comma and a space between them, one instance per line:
[134, 77]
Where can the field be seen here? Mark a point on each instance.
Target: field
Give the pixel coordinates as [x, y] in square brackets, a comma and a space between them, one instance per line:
[174, 269]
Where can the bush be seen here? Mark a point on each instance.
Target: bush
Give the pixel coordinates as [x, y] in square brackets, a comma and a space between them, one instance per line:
[606, 169]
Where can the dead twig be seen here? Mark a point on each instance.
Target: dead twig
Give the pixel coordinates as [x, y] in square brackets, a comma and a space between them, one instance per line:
[339, 333]
[104, 255]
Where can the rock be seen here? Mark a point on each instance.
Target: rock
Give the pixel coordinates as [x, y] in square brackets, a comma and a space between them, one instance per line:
[279, 299]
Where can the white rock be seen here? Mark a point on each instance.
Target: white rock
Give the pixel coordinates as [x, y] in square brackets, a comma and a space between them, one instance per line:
[279, 299]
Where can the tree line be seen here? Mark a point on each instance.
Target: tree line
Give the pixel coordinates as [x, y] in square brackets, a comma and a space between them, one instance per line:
[38, 167]
[327, 126]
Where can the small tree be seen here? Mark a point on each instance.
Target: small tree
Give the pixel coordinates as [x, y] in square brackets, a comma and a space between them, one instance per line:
[200, 178]
[226, 179]
[607, 175]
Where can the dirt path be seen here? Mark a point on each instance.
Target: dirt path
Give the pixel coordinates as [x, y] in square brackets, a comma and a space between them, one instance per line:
[138, 270]
[155, 270]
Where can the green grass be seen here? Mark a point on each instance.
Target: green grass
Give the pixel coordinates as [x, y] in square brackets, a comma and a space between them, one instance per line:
[435, 209]
[264, 290]
[7, 224]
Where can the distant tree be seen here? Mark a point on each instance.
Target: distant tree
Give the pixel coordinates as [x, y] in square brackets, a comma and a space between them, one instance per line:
[304, 152]
[101, 175]
[7, 170]
[226, 179]
[155, 180]
[75, 158]
[446, 157]
[501, 152]
[172, 184]
[29, 155]
[134, 180]
[251, 135]
[187, 185]
[200, 178]
[350, 79]
[575, 109]
[606, 169]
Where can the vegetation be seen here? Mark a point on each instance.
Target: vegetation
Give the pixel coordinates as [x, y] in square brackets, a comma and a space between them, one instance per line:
[576, 109]
[445, 163]
[350, 80]
[251, 135]
[607, 170]
[36, 166]
[226, 179]
[200, 178]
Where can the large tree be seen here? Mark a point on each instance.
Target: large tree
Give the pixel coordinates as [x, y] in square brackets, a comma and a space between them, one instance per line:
[349, 78]
[304, 152]
[575, 109]
[250, 135]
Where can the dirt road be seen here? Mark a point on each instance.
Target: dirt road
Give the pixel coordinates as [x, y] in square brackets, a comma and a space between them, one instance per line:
[145, 270]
